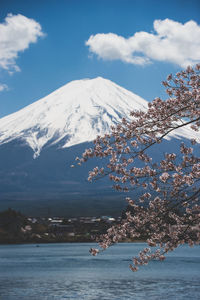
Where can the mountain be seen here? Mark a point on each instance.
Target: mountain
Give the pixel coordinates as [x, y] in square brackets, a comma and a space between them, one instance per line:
[40, 142]
[73, 114]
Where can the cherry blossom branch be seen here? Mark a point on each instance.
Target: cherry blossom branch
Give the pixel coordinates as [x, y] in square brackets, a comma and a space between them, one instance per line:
[167, 210]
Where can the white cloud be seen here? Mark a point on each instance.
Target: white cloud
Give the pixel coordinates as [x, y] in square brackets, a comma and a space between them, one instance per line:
[16, 33]
[172, 42]
[3, 87]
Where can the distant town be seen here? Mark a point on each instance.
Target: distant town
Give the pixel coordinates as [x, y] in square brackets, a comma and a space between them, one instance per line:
[17, 228]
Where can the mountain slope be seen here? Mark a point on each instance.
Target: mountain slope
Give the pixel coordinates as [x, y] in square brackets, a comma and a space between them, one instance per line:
[73, 114]
[40, 142]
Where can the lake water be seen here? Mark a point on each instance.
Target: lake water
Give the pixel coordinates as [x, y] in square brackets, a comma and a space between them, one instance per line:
[68, 271]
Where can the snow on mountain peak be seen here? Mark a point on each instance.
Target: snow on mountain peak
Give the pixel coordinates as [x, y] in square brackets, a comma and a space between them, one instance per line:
[73, 114]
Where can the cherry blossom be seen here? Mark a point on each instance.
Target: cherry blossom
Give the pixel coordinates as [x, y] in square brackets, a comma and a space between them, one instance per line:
[167, 211]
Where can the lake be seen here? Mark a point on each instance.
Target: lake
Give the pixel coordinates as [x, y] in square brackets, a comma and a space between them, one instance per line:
[68, 271]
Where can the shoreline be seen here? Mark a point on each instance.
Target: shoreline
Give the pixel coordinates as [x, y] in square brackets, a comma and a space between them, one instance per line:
[67, 242]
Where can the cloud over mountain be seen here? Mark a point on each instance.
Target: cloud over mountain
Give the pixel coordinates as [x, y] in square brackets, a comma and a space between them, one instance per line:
[16, 34]
[171, 41]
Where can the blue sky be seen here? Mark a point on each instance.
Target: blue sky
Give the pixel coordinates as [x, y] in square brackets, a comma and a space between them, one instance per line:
[49, 49]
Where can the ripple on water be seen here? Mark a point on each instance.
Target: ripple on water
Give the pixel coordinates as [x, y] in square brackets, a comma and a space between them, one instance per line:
[58, 272]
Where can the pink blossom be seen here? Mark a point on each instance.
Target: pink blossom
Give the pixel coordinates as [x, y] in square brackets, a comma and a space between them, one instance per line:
[168, 210]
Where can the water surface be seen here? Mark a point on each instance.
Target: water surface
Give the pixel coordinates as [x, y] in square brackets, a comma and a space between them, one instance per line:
[67, 271]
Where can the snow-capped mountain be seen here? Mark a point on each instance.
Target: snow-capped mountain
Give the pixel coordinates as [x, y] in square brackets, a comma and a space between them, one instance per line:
[55, 130]
[75, 113]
